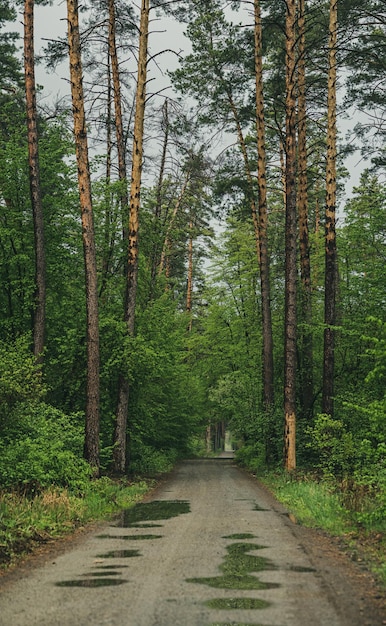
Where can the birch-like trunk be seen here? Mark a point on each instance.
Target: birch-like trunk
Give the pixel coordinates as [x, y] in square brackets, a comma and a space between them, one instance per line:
[91, 445]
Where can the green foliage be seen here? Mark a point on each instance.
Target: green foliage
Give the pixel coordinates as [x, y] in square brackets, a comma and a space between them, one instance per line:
[151, 462]
[24, 523]
[252, 456]
[312, 503]
[334, 446]
[42, 446]
[20, 380]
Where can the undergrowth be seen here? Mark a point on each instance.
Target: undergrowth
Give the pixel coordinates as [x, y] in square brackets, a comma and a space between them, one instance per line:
[26, 521]
[340, 509]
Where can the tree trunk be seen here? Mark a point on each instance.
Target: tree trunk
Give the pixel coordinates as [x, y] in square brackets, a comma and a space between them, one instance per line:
[248, 173]
[189, 290]
[155, 254]
[290, 246]
[331, 255]
[120, 435]
[166, 244]
[122, 171]
[91, 445]
[107, 247]
[305, 266]
[34, 179]
[268, 387]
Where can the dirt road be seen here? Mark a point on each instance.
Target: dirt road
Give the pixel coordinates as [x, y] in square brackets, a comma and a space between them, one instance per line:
[209, 548]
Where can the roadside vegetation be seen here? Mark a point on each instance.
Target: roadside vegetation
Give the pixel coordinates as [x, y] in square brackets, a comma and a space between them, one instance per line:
[347, 511]
[28, 520]
[350, 506]
[240, 291]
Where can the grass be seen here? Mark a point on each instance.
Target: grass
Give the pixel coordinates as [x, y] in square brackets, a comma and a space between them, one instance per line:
[320, 504]
[28, 521]
[314, 504]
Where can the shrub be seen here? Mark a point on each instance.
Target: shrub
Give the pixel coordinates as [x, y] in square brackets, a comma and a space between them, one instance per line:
[148, 461]
[42, 446]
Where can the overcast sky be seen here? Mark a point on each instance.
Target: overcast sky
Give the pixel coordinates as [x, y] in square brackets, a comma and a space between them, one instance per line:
[50, 23]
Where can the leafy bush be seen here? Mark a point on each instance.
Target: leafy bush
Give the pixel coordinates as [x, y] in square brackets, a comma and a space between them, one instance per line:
[40, 447]
[147, 461]
[252, 456]
[20, 380]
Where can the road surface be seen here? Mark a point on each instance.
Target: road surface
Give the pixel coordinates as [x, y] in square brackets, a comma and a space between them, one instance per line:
[210, 547]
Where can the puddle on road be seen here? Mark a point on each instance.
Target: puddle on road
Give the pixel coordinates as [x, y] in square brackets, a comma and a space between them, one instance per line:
[114, 567]
[101, 574]
[92, 582]
[139, 514]
[119, 554]
[240, 536]
[237, 603]
[237, 568]
[130, 537]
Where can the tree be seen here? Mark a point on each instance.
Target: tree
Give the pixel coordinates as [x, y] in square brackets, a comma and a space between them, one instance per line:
[305, 265]
[219, 50]
[330, 227]
[290, 244]
[120, 457]
[268, 386]
[91, 446]
[34, 177]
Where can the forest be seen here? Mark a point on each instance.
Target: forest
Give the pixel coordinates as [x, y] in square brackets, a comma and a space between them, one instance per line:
[193, 240]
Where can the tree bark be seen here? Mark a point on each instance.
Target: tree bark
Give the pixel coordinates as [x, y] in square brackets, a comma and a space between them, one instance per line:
[166, 244]
[189, 290]
[305, 265]
[91, 445]
[34, 179]
[122, 170]
[330, 234]
[290, 246]
[155, 254]
[268, 386]
[120, 434]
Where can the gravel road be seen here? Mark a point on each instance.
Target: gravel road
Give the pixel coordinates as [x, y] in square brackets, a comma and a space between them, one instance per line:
[210, 547]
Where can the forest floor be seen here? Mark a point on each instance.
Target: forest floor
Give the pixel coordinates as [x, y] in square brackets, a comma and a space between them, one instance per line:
[209, 547]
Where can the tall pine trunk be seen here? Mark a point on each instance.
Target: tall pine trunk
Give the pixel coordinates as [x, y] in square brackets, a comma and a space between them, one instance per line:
[120, 434]
[121, 148]
[290, 245]
[189, 289]
[34, 180]
[331, 254]
[305, 265]
[268, 387]
[155, 253]
[91, 445]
